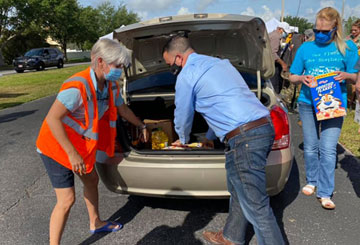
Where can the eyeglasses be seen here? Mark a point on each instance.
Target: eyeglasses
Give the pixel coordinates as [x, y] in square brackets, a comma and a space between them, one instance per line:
[324, 31]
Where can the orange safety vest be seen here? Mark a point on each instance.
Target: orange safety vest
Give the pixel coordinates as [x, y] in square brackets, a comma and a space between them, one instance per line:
[87, 138]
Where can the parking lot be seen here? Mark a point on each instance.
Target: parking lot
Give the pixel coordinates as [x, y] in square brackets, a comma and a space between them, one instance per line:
[27, 199]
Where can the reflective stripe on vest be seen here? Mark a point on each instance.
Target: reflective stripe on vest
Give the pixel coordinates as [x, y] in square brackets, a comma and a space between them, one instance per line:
[75, 125]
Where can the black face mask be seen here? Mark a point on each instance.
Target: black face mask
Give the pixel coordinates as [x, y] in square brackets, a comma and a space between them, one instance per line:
[175, 69]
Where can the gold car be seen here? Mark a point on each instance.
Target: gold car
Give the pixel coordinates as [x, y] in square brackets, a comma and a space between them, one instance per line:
[148, 88]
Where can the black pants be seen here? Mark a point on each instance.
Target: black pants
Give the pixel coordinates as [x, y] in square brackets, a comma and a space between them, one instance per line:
[277, 80]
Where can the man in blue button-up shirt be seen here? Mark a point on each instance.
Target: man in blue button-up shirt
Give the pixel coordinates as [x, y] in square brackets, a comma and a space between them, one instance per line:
[215, 89]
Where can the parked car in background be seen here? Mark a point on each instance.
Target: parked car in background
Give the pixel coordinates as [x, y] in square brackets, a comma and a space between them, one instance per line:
[38, 59]
[149, 89]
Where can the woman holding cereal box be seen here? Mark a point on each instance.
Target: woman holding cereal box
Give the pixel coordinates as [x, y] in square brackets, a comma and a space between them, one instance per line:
[328, 53]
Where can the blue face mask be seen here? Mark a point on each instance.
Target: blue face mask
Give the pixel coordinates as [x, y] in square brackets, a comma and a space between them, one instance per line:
[323, 37]
[114, 74]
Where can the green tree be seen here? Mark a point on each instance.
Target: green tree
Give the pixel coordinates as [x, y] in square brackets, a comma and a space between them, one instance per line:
[301, 23]
[18, 22]
[89, 24]
[101, 21]
[112, 17]
[61, 20]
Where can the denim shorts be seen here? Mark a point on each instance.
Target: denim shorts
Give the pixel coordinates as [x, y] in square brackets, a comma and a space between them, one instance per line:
[60, 176]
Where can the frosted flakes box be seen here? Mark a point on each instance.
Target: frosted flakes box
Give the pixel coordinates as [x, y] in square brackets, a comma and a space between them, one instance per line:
[326, 96]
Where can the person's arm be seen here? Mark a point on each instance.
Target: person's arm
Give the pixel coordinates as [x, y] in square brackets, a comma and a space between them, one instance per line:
[275, 44]
[299, 79]
[54, 119]
[208, 142]
[283, 64]
[125, 112]
[351, 59]
[184, 111]
[348, 77]
[210, 134]
[297, 69]
[357, 85]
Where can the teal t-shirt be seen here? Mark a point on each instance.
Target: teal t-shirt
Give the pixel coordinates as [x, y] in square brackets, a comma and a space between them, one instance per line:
[314, 59]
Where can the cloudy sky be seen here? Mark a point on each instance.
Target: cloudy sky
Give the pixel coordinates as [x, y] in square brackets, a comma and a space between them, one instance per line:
[266, 9]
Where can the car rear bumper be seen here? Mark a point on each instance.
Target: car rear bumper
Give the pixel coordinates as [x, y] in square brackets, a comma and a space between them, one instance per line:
[183, 176]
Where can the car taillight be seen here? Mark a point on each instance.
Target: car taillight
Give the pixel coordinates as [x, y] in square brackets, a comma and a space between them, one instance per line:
[281, 126]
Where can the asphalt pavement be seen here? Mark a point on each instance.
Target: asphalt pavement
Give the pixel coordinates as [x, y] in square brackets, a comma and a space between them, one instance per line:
[27, 198]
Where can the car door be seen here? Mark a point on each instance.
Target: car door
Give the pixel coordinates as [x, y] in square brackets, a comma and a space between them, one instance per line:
[46, 57]
[53, 57]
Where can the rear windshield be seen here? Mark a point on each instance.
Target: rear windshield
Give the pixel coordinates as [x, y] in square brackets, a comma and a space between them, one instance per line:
[34, 52]
[165, 82]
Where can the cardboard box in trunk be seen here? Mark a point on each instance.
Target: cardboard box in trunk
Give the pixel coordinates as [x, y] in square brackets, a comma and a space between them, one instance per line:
[165, 124]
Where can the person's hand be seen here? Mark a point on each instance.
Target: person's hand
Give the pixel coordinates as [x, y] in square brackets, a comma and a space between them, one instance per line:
[306, 79]
[144, 136]
[341, 76]
[77, 163]
[285, 67]
[208, 144]
[177, 143]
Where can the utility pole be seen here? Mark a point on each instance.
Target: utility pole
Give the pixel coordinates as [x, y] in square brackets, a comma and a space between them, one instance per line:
[282, 10]
[342, 11]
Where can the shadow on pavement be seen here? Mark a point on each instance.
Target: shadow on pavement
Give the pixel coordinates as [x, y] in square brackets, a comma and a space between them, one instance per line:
[15, 115]
[351, 165]
[286, 197]
[124, 215]
[200, 215]
[11, 95]
[201, 212]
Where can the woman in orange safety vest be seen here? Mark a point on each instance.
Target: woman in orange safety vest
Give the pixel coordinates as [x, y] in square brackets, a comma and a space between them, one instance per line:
[80, 129]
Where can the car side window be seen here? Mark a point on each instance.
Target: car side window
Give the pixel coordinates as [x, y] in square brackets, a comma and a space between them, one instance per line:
[53, 52]
[46, 52]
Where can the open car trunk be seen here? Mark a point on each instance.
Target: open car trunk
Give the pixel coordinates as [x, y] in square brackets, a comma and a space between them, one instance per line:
[152, 99]
[149, 87]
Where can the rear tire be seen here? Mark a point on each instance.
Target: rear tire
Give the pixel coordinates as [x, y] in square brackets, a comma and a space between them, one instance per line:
[19, 71]
[60, 64]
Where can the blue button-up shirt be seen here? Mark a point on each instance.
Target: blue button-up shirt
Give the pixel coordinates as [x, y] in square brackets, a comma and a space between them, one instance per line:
[215, 89]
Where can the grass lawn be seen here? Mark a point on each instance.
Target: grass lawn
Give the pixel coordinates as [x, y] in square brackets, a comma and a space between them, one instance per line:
[350, 137]
[21, 88]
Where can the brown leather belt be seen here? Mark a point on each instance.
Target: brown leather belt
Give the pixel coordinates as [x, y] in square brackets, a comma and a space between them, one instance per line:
[247, 126]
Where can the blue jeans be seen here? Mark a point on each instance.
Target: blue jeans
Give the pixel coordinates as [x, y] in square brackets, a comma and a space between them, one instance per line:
[320, 149]
[249, 202]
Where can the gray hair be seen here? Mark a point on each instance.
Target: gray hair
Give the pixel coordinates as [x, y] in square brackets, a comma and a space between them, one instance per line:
[111, 51]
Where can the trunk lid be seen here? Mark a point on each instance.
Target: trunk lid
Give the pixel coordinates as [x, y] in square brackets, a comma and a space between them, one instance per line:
[241, 39]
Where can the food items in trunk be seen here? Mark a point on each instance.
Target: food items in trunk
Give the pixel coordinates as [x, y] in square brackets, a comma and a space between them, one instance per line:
[159, 139]
[195, 145]
[165, 124]
[183, 147]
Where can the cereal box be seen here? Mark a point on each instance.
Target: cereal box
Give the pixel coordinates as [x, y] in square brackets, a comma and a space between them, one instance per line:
[326, 95]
